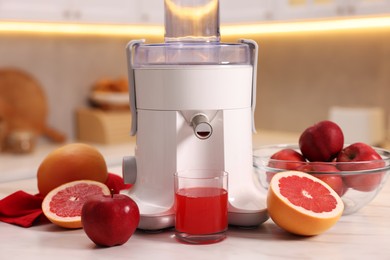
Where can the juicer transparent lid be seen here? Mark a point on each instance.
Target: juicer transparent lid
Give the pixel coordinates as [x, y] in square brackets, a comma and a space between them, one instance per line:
[191, 38]
[191, 53]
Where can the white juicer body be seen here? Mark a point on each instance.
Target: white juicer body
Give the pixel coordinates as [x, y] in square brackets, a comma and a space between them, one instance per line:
[167, 98]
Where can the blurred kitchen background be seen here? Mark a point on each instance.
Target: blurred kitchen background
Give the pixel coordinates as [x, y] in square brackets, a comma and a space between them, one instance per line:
[314, 55]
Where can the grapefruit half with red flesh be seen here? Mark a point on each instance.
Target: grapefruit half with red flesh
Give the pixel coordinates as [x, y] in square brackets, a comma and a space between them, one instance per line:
[302, 204]
[63, 205]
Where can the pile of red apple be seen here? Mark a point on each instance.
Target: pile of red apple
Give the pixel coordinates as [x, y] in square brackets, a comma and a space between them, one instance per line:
[323, 154]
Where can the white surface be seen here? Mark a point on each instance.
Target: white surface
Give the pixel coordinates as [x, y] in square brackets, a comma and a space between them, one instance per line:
[163, 88]
[166, 142]
[364, 235]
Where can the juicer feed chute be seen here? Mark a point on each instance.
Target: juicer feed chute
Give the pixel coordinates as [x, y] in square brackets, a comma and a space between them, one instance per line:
[192, 100]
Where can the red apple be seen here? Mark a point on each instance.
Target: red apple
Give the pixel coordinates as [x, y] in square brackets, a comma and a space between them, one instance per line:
[110, 220]
[361, 157]
[322, 141]
[285, 159]
[335, 181]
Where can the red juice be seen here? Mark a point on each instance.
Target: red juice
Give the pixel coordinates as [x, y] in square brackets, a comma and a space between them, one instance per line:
[201, 210]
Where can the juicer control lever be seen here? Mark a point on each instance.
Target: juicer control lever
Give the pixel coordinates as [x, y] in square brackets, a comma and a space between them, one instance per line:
[201, 125]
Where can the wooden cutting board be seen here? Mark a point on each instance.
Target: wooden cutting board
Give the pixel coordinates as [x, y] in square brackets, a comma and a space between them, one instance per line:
[23, 104]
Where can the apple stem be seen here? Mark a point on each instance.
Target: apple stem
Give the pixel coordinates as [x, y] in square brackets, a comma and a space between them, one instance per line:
[112, 192]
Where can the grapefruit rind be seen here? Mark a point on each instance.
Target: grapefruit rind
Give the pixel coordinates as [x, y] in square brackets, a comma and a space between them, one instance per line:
[296, 219]
[71, 162]
[69, 222]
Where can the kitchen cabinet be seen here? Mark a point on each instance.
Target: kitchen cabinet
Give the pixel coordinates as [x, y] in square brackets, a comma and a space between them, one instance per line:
[306, 9]
[33, 10]
[363, 7]
[113, 11]
[233, 11]
[152, 11]
[99, 11]
[302, 9]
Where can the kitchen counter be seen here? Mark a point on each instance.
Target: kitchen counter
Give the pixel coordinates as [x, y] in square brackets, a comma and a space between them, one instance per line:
[363, 235]
[23, 166]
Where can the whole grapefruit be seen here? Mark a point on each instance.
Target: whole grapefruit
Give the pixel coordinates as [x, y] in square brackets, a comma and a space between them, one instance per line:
[71, 162]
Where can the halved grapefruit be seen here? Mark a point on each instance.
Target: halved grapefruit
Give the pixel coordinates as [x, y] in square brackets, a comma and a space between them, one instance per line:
[63, 205]
[303, 204]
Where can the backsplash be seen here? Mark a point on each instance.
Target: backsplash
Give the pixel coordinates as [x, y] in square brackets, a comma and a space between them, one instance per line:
[300, 75]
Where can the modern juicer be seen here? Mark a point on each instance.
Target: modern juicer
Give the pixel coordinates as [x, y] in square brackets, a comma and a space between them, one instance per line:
[192, 100]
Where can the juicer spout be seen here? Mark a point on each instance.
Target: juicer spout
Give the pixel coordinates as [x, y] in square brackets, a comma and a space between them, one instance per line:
[201, 126]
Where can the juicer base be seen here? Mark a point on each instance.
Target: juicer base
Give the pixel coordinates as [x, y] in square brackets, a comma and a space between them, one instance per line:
[156, 223]
[248, 220]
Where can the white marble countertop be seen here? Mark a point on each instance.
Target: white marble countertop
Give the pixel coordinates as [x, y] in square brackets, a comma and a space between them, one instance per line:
[363, 235]
[23, 166]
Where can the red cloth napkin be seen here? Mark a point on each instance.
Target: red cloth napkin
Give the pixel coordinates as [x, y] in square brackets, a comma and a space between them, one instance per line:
[23, 209]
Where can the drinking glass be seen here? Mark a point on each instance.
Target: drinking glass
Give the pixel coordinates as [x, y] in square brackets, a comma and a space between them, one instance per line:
[201, 205]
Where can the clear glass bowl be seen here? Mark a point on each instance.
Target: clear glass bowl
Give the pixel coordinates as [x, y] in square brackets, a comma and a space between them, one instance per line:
[356, 182]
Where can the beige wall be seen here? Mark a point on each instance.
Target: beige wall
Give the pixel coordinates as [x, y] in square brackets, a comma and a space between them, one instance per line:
[66, 67]
[299, 76]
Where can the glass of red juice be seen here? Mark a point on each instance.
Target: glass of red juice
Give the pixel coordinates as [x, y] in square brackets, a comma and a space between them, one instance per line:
[201, 206]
